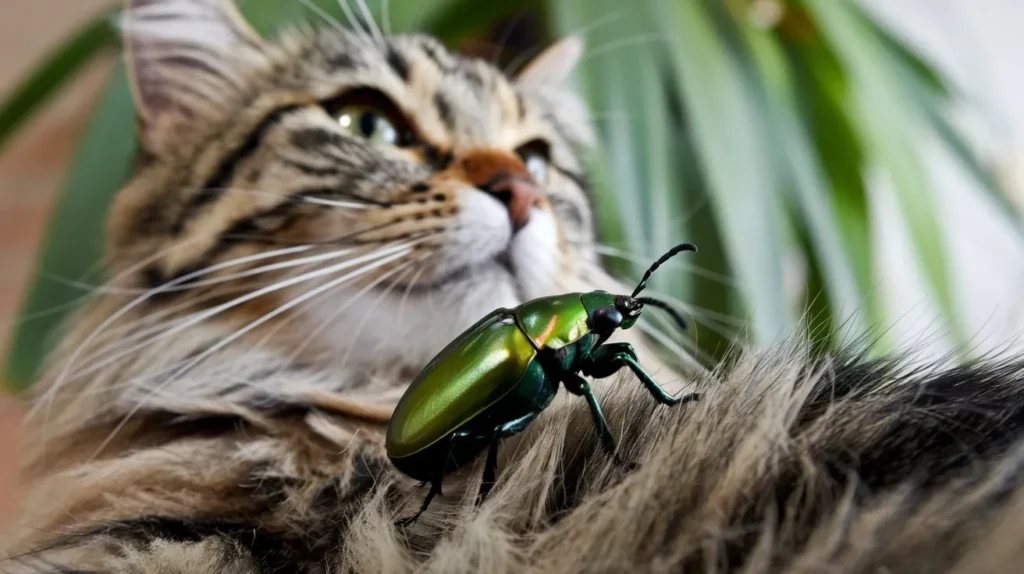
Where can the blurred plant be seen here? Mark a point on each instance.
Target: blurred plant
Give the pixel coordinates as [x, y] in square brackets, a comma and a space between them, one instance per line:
[746, 126]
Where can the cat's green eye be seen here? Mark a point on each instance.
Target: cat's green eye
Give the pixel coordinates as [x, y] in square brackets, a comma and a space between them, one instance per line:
[536, 156]
[369, 123]
[369, 114]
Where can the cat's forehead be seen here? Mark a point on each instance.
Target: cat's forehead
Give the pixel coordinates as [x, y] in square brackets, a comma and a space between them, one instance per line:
[453, 99]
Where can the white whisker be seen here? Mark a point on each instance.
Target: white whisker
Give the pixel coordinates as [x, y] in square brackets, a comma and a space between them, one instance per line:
[91, 288]
[156, 291]
[331, 20]
[352, 20]
[302, 262]
[71, 304]
[370, 23]
[156, 329]
[334, 316]
[366, 317]
[337, 254]
[287, 306]
[516, 65]
[396, 253]
[156, 318]
[47, 397]
[612, 17]
[638, 40]
[239, 301]
[366, 204]
[409, 288]
[720, 323]
[684, 356]
[22, 319]
[334, 203]
[503, 40]
[219, 280]
[690, 267]
[385, 17]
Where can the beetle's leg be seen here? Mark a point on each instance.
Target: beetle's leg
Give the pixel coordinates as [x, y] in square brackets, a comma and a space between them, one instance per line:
[506, 430]
[515, 426]
[490, 470]
[435, 489]
[435, 485]
[607, 359]
[577, 385]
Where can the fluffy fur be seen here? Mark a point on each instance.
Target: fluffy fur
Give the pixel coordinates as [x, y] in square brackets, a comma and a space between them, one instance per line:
[277, 281]
[788, 465]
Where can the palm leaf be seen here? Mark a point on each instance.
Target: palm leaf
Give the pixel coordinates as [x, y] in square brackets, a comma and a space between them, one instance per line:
[729, 134]
[813, 195]
[54, 73]
[823, 90]
[615, 76]
[890, 122]
[74, 242]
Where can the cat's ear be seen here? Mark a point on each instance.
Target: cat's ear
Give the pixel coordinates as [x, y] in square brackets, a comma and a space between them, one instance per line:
[554, 65]
[546, 79]
[187, 60]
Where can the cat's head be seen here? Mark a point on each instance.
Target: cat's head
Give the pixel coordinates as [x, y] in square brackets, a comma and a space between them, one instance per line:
[373, 188]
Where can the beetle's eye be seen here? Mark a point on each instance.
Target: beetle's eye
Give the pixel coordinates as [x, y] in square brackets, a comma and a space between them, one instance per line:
[606, 319]
[368, 123]
[536, 156]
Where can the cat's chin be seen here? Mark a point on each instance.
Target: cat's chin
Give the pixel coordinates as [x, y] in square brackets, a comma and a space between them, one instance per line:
[410, 326]
[485, 267]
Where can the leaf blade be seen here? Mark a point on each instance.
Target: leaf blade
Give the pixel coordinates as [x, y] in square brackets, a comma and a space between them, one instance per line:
[812, 190]
[74, 240]
[611, 74]
[54, 72]
[888, 120]
[726, 126]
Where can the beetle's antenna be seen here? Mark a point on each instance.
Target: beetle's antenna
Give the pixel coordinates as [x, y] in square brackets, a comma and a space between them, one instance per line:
[671, 253]
[672, 311]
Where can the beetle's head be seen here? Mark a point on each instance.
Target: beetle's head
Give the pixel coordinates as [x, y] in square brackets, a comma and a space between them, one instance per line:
[629, 308]
[607, 312]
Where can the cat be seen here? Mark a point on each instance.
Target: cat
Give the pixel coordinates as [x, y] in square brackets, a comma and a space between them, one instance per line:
[310, 220]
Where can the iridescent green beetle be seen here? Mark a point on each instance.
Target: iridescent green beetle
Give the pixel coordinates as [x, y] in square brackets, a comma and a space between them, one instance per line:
[495, 378]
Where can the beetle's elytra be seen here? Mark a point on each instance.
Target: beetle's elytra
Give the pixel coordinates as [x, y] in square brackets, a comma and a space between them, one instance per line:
[497, 376]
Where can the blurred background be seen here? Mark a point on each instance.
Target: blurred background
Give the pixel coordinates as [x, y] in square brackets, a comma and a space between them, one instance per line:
[850, 168]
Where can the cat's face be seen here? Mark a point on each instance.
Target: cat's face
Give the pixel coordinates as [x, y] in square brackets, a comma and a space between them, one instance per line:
[375, 191]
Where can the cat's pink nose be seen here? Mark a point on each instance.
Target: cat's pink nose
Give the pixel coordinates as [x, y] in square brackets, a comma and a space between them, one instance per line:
[503, 176]
[517, 193]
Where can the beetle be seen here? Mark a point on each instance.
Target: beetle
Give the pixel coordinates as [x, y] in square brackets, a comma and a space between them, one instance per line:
[496, 377]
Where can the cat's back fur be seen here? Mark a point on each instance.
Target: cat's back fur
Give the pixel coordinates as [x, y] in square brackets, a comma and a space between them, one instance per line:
[787, 465]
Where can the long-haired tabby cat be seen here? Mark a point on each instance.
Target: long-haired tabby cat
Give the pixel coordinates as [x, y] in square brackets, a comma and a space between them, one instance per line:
[310, 220]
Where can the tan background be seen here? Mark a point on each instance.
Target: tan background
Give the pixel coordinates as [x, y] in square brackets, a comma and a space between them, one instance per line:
[32, 166]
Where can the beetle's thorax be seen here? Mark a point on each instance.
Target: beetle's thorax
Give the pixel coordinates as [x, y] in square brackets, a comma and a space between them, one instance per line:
[554, 322]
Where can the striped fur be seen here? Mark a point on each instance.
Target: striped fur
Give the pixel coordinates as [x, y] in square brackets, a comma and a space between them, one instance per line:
[219, 405]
